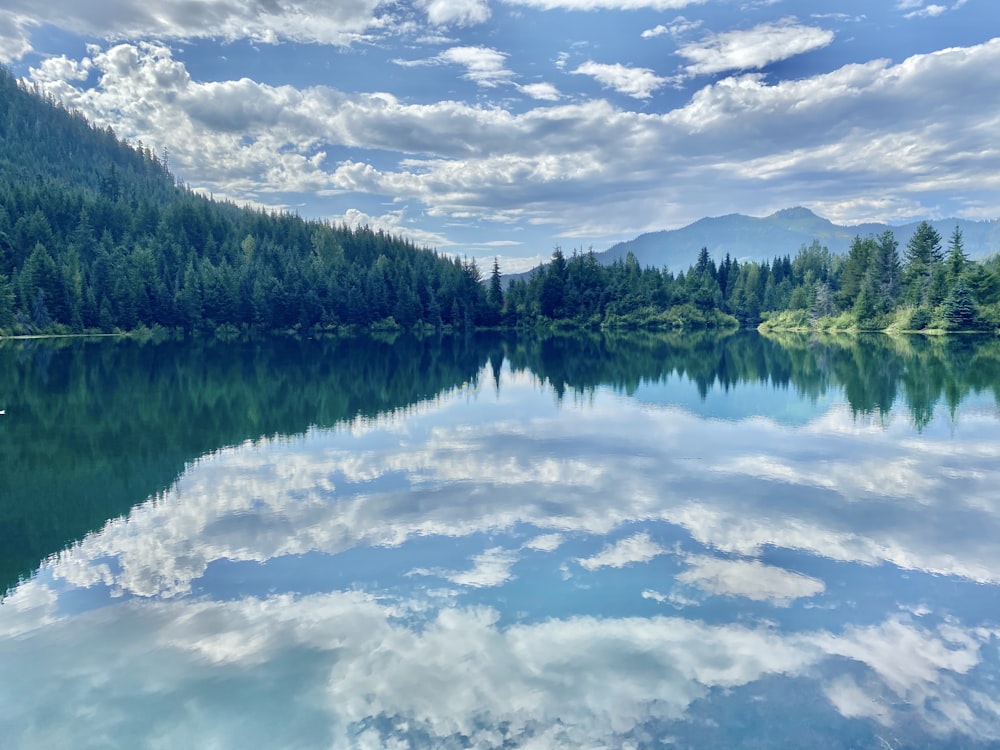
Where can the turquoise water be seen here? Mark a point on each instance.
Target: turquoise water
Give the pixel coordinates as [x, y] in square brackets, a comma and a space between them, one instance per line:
[502, 543]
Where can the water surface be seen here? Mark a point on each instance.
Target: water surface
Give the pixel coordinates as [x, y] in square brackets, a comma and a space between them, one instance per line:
[500, 542]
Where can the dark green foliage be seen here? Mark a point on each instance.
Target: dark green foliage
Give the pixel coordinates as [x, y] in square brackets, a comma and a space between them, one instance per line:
[924, 271]
[957, 259]
[96, 234]
[960, 309]
[920, 318]
[924, 247]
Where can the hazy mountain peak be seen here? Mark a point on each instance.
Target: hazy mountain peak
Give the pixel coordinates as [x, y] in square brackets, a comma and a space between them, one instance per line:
[796, 214]
[782, 233]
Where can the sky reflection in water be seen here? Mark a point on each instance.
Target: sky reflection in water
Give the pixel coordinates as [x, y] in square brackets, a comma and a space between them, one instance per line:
[501, 568]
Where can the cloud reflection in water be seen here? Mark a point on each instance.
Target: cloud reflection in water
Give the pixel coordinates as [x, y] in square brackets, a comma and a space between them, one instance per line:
[738, 524]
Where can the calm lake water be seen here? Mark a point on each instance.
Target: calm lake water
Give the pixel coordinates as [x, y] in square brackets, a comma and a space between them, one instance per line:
[489, 542]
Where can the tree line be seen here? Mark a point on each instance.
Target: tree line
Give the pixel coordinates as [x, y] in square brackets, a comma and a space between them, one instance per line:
[96, 235]
[873, 287]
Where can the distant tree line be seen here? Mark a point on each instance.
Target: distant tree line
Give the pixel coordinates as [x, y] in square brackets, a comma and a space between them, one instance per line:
[873, 287]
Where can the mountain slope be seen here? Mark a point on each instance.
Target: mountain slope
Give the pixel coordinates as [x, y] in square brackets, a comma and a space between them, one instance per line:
[95, 235]
[781, 233]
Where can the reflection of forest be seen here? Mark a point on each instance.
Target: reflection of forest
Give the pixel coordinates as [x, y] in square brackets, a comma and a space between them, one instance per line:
[874, 370]
[93, 428]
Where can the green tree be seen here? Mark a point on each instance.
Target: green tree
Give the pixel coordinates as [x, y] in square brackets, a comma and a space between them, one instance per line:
[924, 246]
[854, 270]
[960, 310]
[923, 257]
[494, 296]
[887, 271]
[957, 259]
[553, 286]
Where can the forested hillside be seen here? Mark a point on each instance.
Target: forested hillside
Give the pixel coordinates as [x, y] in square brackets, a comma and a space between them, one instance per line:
[96, 236]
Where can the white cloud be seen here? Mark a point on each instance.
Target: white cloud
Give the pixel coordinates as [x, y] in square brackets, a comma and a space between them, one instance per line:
[267, 21]
[639, 83]
[61, 68]
[29, 607]
[639, 548]
[491, 568]
[483, 65]
[929, 11]
[457, 12]
[853, 702]
[541, 91]
[359, 667]
[590, 5]
[545, 542]
[15, 42]
[754, 48]
[656, 596]
[678, 27]
[847, 138]
[749, 578]
[352, 669]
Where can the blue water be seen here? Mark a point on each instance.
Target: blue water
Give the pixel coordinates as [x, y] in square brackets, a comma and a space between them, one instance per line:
[498, 567]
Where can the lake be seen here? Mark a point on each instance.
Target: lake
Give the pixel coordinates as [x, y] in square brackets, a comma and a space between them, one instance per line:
[490, 541]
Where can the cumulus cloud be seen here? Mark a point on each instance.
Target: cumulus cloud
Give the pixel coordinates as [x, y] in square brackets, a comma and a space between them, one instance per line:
[457, 12]
[268, 21]
[754, 48]
[639, 83]
[483, 65]
[639, 548]
[848, 138]
[748, 578]
[545, 542]
[364, 673]
[15, 42]
[61, 69]
[491, 568]
[541, 91]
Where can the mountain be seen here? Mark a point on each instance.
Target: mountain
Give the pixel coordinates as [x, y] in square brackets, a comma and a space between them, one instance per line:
[781, 233]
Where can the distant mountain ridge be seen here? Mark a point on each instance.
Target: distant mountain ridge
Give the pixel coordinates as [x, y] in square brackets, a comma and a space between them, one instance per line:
[750, 238]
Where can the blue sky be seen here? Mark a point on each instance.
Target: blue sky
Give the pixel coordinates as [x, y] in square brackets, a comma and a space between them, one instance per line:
[509, 127]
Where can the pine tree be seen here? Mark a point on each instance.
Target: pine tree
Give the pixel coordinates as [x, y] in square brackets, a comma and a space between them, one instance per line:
[957, 259]
[923, 257]
[960, 309]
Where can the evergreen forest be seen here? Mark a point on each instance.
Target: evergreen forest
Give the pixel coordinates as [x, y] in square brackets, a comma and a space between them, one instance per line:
[97, 235]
